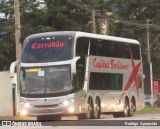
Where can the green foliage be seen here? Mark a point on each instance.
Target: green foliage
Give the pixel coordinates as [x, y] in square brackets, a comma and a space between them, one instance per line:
[56, 15]
[147, 110]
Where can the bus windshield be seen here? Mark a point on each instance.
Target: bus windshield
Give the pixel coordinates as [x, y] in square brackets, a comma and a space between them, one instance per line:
[47, 49]
[45, 80]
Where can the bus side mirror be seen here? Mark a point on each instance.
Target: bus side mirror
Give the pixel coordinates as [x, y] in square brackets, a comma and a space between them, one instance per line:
[73, 64]
[12, 68]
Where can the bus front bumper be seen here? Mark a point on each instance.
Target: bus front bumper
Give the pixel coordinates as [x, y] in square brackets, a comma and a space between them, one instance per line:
[59, 109]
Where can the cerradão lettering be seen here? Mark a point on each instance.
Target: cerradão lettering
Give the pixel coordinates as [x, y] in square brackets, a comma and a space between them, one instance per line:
[57, 44]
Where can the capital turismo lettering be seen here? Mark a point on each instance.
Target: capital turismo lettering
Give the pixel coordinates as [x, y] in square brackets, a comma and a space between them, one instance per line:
[111, 63]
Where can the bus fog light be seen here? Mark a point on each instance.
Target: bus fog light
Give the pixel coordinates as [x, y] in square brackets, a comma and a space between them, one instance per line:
[23, 112]
[71, 109]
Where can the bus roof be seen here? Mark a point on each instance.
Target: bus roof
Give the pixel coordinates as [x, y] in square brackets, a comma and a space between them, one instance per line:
[85, 34]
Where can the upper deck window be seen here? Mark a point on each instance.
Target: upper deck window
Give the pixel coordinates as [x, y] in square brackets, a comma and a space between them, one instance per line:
[47, 49]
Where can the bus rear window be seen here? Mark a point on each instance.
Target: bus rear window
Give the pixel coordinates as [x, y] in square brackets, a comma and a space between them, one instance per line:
[47, 49]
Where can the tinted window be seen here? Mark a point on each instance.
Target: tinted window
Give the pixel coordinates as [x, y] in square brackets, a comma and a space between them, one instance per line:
[106, 81]
[47, 49]
[135, 51]
[95, 47]
[82, 46]
[114, 49]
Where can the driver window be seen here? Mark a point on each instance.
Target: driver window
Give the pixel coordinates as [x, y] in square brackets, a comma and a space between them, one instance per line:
[82, 51]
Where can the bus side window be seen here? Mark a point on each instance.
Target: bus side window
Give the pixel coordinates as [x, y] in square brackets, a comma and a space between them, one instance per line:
[81, 50]
[135, 51]
[107, 48]
[93, 47]
[82, 46]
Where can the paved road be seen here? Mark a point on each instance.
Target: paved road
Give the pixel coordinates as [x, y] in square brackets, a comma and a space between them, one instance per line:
[151, 120]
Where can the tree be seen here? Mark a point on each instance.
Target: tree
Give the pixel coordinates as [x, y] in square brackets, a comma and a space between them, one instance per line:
[128, 20]
[7, 53]
[133, 15]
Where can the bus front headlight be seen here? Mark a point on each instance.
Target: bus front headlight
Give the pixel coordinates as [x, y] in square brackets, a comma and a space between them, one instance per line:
[71, 109]
[67, 102]
[23, 112]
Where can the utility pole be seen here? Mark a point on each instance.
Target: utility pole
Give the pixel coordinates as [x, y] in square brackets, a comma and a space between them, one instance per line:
[149, 61]
[17, 29]
[93, 21]
[18, 52]
[148, 44]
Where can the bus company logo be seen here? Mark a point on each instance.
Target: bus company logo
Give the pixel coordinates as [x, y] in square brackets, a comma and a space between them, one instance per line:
[109, 64]
[56, 44]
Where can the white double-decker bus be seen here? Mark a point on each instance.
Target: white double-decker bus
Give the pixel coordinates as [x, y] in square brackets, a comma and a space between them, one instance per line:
[78, 73]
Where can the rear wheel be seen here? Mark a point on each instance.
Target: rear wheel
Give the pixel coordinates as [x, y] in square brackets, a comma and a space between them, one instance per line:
[132, 108]
[130, 112]
[125, 113]
[97, 109]
[89, 114]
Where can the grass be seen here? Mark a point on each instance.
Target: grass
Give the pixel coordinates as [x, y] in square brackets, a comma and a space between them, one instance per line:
[147, 110]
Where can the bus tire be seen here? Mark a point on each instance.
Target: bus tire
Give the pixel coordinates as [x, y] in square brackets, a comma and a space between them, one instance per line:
[130, 112]
[125, 112]
[131, 109]
[97, 109]
[90, 107]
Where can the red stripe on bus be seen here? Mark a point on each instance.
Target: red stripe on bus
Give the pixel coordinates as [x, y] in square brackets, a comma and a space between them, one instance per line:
[133, 76]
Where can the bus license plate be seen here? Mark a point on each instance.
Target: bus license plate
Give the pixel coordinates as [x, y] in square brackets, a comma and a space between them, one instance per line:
[46, 111]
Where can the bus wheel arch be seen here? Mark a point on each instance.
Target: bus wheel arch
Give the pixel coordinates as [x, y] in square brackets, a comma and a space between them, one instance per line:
[97, 108]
